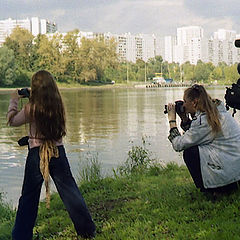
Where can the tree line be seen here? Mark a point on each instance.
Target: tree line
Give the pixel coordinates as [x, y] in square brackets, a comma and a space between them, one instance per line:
[93, 61]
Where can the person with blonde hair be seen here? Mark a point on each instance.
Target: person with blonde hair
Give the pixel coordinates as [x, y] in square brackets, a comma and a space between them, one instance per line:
[211, 141]
[46, 157]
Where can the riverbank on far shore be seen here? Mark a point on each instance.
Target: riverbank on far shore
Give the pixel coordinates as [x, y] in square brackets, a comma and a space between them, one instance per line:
[157, 203]
[63, 86]
[74, 86]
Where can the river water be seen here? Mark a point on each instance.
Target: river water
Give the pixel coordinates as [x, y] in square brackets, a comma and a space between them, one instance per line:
[102, 124]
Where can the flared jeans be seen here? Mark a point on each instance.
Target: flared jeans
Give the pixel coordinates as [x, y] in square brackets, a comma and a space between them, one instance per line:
[67, 188]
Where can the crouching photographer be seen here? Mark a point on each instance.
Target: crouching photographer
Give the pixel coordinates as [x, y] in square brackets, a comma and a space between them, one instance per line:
[210, 142]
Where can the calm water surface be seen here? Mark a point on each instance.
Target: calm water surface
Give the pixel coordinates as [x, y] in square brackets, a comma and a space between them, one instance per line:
[102, 123]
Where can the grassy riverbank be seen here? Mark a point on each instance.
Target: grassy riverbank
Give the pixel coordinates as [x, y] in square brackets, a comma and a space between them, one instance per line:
[154, 203]
[82, 86]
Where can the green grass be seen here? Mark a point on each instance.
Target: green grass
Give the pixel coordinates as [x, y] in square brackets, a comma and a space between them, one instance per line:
[6, 220]
[156, 203]
[95, 84]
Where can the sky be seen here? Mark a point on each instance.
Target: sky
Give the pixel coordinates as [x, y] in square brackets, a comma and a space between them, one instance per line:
[160, 17]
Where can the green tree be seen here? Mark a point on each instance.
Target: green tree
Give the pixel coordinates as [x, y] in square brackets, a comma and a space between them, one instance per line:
[175, 72]
[20, 41]
[158, 64]
[202, 72]
[71, 56]
[7, 67]
[47, 55]
[216, 75]
[188, 71]
[140, 67]
[231, 74]
[96, 56]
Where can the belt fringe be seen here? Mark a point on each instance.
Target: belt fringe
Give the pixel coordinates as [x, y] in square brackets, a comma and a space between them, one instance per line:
[47, 150]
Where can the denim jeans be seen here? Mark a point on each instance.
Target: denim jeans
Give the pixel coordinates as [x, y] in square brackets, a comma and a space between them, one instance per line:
[67, 188]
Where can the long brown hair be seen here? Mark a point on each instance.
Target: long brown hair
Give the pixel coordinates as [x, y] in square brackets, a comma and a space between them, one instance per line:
[205, 104]
[46, 107]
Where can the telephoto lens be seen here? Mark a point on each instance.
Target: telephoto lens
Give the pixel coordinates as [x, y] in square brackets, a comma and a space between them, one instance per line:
[179, 108]
[237, 43]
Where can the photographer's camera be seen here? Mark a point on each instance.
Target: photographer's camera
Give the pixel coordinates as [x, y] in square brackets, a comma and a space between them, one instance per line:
[232, 95]
[179, 108]
[24, 92]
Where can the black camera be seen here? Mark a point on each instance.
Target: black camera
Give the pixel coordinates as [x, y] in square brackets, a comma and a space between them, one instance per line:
[232, 95]
[24, 92]
[179, 108]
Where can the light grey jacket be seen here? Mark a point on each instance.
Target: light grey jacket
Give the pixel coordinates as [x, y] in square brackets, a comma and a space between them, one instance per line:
[220, 154]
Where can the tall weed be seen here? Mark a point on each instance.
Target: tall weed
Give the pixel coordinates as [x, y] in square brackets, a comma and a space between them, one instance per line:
[139, 159]
[90, 168]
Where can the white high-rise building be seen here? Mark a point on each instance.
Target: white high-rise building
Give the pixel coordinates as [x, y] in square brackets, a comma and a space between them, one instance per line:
[47, 27]
[132, 47]
[221, 47]
[34, 25]
[160, 46]
[169, 48]
[178, 53]
[148, 46]
[189, 42]
[223, 34]
[6, 27]
[126, 47]
[195, 50]
[205, 50]
[186, 34]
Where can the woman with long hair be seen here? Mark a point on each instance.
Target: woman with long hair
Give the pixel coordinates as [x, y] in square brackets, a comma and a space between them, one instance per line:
[211, 141]
[46, 157]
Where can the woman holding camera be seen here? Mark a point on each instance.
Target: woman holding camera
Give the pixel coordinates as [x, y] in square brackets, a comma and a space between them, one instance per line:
[46, 117]
[211, 141]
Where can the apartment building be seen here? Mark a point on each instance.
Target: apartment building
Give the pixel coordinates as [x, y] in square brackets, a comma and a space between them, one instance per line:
[6, 27]
[169, 48]
[34, 25]
[221, 47]
[195, 50]
[148, 46]
[189, 42]
[188, 45]
[132, 47]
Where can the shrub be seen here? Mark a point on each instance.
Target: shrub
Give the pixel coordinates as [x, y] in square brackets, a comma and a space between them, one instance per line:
[138, 159]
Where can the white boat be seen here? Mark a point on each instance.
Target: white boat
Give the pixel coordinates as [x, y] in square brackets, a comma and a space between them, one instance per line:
[158, 79]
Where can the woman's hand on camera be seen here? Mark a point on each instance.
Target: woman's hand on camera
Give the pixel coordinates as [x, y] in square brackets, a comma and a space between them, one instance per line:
[171, 112]
[14, 94]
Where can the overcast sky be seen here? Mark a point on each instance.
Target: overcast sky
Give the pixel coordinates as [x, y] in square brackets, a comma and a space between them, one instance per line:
[136, 16]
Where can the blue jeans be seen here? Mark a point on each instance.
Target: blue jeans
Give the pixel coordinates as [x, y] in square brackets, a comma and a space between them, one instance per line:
[67, 188]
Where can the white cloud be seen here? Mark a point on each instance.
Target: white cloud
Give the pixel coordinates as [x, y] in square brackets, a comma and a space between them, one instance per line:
[57, 13]
[136, 16]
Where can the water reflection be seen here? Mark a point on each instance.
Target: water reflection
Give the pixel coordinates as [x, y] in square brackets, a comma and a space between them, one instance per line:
[101, 121]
